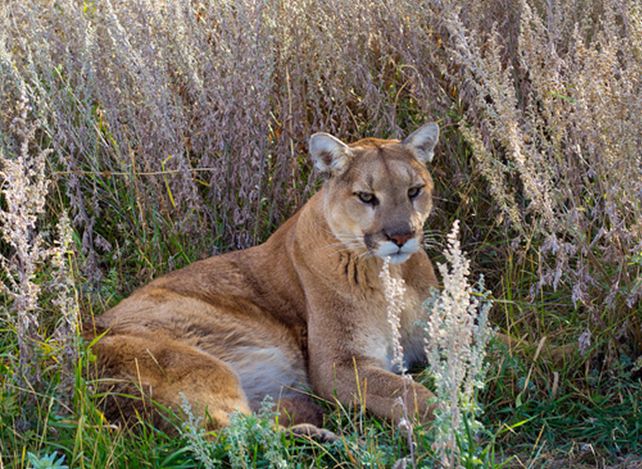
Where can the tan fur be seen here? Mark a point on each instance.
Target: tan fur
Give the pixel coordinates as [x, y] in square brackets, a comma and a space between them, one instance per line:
[304, 310]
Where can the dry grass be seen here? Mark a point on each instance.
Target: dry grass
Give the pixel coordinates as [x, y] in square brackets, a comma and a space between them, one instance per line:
[169, 130]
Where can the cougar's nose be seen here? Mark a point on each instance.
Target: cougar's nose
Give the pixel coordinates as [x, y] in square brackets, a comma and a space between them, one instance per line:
[399, 238]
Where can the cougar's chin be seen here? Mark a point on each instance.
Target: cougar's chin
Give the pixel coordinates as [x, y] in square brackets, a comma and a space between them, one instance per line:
[398, 258]
[397, 254]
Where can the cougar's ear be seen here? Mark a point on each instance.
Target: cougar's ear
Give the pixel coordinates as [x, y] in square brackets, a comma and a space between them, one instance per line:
[422, 141]
[328, 153]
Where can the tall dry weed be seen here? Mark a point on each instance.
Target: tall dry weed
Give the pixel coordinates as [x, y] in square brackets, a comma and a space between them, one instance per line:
[66, 336]
[457, 336]
[29, 254]
[24, 186]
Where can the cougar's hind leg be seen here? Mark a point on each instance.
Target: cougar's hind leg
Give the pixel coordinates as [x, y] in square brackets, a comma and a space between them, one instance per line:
[163, 370]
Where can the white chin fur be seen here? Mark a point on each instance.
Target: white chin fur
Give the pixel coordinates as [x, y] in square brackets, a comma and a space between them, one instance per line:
[399, 258]
[395, 254]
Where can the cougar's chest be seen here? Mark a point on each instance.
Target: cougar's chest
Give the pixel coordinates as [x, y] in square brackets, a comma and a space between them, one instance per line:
[382, 343]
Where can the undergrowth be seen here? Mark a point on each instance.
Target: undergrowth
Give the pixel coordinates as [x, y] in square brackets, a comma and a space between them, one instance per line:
[137, 137]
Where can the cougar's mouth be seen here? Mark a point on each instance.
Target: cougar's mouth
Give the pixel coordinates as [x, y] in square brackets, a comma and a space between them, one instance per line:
[394, 253]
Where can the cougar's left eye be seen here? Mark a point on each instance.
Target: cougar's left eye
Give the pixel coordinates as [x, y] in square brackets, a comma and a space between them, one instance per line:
[414, 191]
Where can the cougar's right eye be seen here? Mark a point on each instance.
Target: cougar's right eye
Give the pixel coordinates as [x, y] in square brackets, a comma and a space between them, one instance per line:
[413, 192]
[367, 198]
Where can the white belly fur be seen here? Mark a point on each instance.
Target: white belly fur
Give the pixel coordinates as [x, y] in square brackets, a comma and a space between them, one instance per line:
[266, 371]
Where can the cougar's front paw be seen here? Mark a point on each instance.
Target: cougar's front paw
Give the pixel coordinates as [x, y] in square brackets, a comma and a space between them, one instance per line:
[312, 431]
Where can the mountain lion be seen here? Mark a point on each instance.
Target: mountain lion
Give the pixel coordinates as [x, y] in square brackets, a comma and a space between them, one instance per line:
[304, 311]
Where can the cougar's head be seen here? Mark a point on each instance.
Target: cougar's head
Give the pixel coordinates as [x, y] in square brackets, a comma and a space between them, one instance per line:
[379, 192]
